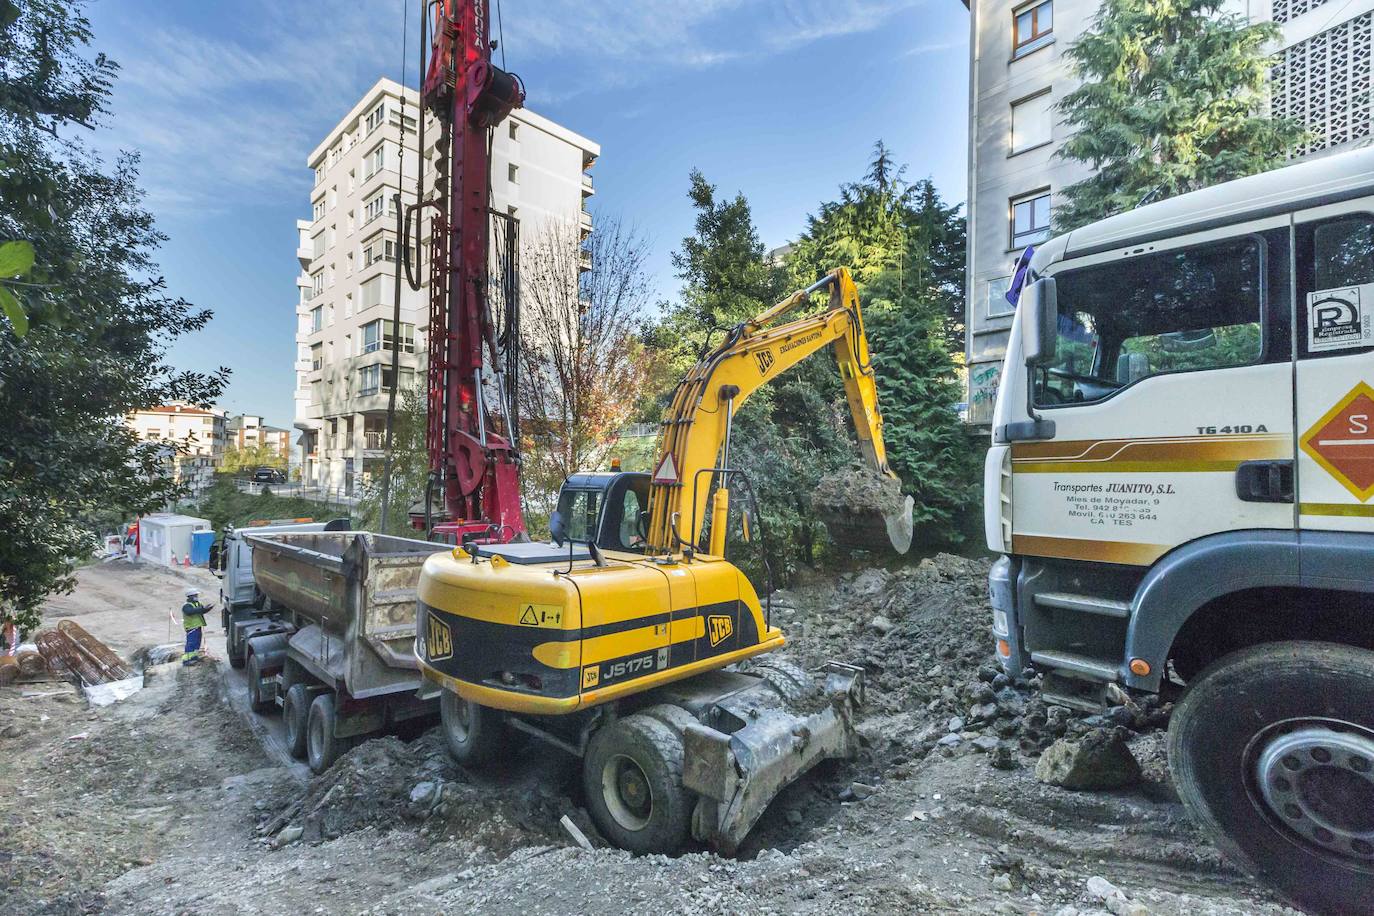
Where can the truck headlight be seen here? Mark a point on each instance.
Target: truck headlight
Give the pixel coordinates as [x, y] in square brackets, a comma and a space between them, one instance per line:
[1000, 626]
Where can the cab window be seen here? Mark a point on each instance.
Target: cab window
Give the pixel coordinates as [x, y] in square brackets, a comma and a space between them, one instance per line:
[1335, 286]
[579, 509]
[1175, 311]
[627, 499]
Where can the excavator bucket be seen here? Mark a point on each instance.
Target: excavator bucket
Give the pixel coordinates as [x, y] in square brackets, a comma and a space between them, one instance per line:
[865, 510]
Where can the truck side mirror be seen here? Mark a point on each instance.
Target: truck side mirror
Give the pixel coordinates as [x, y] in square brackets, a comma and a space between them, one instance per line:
[558, 529]
[1040, 321]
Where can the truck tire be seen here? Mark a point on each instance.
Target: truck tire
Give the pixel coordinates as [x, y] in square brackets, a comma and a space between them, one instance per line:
[256, 700]
[233, 647]
[296, 716]
[322, 746]
[1272, 751]
[632, 776]
[475, 733]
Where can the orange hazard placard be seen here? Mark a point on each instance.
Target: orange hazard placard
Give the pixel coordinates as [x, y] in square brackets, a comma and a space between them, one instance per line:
[1342, 441]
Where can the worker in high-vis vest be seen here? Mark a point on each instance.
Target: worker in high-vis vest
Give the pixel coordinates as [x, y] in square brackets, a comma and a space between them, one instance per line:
[193, 619]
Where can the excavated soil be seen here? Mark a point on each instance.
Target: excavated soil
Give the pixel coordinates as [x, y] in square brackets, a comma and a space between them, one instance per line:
[169, 805]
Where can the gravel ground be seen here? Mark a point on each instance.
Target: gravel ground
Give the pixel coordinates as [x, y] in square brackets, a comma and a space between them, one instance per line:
[170, 805]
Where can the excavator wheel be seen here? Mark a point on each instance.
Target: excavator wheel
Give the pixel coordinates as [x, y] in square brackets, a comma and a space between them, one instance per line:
[788, 679]
[632, 775]
[475, 734]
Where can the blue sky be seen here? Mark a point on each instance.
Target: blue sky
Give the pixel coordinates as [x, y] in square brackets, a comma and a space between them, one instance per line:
[780, 99]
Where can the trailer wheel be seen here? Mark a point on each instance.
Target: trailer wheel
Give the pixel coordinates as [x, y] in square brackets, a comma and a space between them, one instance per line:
[322, 746]
[1272, 750]
[256, 701]
[475, 733]
[632, 775]
[296, 715]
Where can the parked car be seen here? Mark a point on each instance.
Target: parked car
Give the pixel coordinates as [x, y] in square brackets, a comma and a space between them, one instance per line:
[269, 475]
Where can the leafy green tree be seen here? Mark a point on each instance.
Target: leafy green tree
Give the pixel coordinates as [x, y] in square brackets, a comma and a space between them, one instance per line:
[99, 318]
[409, 470]
[905, 247]
[1172, 100]
[250, 458]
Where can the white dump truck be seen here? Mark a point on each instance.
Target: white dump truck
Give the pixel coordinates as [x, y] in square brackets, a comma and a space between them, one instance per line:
[1179, 485]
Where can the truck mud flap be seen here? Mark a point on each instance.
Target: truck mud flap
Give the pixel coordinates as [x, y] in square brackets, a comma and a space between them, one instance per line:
[737, 774]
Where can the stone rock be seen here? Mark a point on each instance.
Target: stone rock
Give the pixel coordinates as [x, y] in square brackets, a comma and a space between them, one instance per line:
[985, 744]
[794, 817]
[1002, 882]
[882, 624]
[1003, 758]
[862, 790]
[955, 724]
[870, 583]
[1098, 760]
[951, 740]
[289, 835]
[423, 793]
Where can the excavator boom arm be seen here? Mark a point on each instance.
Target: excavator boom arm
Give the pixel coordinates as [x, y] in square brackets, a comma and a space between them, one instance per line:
[696, 425]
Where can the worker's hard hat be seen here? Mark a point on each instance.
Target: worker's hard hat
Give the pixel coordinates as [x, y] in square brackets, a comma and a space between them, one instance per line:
[192, 592]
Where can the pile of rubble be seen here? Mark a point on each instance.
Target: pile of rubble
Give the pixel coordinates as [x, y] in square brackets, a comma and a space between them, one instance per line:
[923, 634]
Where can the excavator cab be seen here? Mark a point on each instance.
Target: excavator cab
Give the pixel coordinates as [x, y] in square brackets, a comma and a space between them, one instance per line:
[608, 509]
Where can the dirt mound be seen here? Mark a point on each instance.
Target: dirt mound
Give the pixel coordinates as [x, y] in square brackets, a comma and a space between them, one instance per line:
[386, 784]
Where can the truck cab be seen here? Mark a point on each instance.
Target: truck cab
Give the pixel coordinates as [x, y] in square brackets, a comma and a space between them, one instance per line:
[1179, 488]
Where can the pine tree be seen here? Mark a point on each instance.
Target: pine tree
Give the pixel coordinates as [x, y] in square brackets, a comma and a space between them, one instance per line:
[1172, 100]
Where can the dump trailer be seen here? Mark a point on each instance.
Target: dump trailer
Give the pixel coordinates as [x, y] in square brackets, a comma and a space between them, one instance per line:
[337, 655]
[1179, 484]
[244, 609]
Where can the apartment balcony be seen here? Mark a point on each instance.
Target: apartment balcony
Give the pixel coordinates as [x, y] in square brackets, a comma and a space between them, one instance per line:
[588, 189]
[305, 256]
[584, 221]
[584, 259]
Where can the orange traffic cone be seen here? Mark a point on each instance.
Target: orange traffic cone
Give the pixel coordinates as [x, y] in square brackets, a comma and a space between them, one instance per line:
[187, 562]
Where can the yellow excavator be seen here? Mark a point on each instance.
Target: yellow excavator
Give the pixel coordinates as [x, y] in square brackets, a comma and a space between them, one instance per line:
[632, 645]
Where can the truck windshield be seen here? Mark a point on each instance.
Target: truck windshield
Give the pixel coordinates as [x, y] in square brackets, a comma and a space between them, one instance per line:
[1123, 321]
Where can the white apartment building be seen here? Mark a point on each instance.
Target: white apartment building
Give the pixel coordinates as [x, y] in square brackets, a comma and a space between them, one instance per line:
[193, 438]
[1018, 72]
[247, 431]
[348, 251]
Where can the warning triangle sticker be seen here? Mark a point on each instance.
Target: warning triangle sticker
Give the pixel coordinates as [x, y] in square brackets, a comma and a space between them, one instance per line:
[667, 470]
[528, 618]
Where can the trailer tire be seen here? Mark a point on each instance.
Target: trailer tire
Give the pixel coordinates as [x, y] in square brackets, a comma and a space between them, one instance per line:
[322, 745]
[1272, 751]
[632, 775]
[475, 734]
[296, 716]
[256, 702]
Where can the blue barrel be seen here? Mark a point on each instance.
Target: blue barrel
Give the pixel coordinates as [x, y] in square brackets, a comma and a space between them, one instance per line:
[200, 547]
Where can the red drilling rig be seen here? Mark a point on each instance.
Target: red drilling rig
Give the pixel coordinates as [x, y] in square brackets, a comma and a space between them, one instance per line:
[474, 458]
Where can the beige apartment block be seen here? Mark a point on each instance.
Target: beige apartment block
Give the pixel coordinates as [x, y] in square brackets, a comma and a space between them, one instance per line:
[348, 250]
[1018, 72]
[193, 440]
[247, 431]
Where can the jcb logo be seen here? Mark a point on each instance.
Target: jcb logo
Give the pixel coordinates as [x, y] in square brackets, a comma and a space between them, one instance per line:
[440, 639]
[765, 360]
[719, 627]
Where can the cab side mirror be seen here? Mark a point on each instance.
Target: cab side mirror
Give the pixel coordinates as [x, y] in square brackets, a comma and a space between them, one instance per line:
[1040, 321]
[558, 529]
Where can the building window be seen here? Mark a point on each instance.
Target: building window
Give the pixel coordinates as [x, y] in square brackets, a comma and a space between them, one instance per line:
[371, 293]
[319, 173]
[997, 304]
[513, 173]
[514, 131]
[348, 305]
[316, 357]
[373, 208]
[317, 284]
[378, 248]
[316, 319]
[317, 212]
[1032, 122]
[377, 335]
[374, 161]
[376, 117]
[1030, 219]
[333, 197]
[1032, 27]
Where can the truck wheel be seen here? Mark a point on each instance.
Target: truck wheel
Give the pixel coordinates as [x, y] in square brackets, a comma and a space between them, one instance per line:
[632, 775]
[256, 700]
[296, 715]
[322, 746]
[234, 648]
[475, 733]
[1272, 750]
